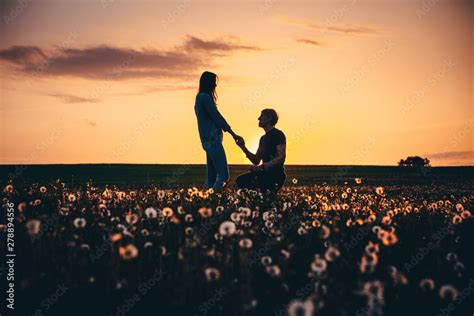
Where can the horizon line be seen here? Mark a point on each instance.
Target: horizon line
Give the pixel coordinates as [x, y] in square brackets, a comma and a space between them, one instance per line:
[201, 164]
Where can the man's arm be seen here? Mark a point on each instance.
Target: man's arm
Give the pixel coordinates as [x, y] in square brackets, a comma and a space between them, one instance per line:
[254, 158]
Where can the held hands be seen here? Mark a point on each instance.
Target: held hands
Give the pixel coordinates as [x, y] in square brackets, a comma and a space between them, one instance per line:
[239, 141]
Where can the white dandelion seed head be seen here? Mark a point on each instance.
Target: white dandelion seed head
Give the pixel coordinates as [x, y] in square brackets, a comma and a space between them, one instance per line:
[33, 226]
[266, 260]
[227, 228]
[245, 243]
[128, 252]
[300, 308]
[212, 274]
[331, 254]
[273, 270]
[150, 212]
[427, 284]
[448, 292]
[318, 265]
[79, 222]
[379, 190]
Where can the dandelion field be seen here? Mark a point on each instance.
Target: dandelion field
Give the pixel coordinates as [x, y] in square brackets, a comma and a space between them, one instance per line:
[353, 247]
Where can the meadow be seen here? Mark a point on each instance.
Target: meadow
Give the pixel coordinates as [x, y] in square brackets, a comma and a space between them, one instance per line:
[334, 241]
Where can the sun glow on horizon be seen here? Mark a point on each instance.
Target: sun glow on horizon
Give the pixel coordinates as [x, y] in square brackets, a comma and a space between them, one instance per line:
[375, 90]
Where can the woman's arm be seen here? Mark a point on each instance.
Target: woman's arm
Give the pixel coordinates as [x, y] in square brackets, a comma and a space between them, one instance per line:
[214, 114]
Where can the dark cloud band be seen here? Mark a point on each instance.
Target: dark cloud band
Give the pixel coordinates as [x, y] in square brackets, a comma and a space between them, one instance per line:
[112, 63]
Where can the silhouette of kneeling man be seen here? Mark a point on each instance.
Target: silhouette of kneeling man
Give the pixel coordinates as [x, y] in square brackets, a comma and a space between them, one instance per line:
[270, 175]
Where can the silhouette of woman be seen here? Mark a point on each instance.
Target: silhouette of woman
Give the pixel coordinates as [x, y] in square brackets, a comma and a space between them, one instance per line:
[210, 125]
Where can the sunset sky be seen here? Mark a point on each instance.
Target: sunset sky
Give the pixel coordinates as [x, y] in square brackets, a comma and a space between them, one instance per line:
[354, 82]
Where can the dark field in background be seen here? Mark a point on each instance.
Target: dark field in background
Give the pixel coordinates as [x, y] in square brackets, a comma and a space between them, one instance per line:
[395, 243]
[176, 175]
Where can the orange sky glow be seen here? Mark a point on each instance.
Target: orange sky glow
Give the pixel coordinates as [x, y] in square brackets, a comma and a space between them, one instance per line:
[354, 82]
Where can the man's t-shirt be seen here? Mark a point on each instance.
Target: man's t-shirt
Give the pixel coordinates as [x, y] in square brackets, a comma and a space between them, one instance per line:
[268, 147]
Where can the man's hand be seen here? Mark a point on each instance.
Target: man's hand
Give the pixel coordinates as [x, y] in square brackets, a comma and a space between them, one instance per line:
[255, 168]
[239, 141]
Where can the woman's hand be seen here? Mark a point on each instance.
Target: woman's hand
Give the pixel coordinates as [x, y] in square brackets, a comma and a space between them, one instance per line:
[239, 141]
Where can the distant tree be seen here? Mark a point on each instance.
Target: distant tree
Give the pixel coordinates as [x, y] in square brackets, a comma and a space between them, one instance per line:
[414, 161]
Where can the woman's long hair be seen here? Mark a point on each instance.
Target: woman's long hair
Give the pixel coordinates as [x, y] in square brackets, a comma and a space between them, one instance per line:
[208, 84]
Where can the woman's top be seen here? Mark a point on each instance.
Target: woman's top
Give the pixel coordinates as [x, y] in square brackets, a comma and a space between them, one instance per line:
[210, 121]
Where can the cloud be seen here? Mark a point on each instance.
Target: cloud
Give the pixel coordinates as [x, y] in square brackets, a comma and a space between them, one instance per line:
[22, 55]
[215, 45]
[461, 158]
[308, 41]
[453, 155]
[114, 63]
[91, 123]
[354, 29]
[67, 98]
[160, 87]
[351, 29]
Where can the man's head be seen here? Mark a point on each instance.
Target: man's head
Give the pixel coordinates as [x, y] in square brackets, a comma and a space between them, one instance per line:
[268, 117]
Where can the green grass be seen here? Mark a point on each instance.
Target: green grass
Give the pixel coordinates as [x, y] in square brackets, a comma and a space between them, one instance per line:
[170, 175]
